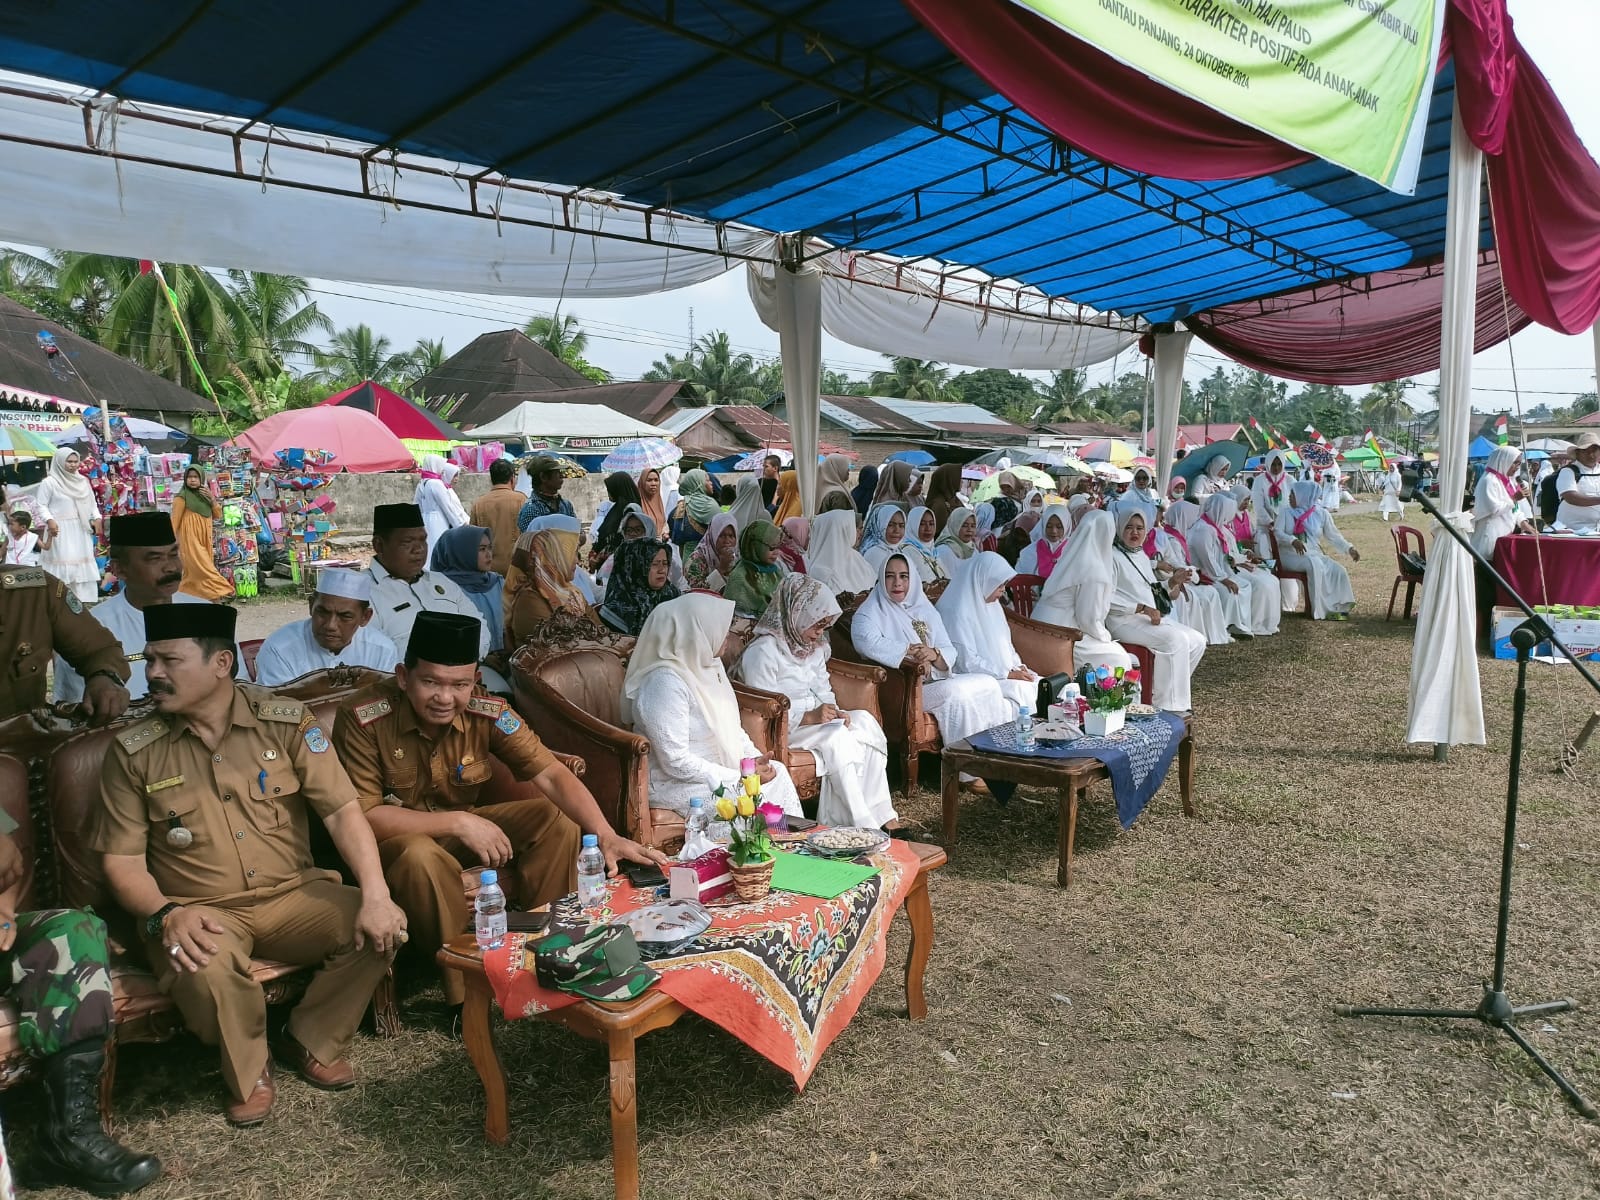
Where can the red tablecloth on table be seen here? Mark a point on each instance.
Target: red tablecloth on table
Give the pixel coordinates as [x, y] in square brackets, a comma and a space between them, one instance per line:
[1550, 569]
[784, 975]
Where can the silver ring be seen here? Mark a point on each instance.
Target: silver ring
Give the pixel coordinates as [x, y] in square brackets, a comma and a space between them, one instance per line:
[402, 937]
[174, 949]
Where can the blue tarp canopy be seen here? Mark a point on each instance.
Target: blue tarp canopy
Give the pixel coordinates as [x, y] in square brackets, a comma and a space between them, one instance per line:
[1481, 447]
[841, 118]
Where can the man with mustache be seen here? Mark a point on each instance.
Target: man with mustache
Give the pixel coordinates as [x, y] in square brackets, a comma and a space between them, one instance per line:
[204, 829]
[145, 551]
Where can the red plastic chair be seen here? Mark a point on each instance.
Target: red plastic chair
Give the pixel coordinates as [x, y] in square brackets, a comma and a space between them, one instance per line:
[1022, 592]
[1403, 536]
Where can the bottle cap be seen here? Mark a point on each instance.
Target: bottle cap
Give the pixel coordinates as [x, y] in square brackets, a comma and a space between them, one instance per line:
[697, 803]
[590, 840]
[488, 877]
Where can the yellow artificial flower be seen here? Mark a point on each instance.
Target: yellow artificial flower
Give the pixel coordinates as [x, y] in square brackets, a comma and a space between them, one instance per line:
[725, 809]
[747, 806]
[752, 785]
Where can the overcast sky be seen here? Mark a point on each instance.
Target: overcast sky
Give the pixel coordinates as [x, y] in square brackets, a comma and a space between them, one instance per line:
[627, 335]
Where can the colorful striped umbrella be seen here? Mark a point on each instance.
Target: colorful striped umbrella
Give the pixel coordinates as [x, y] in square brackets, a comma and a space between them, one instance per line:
[17, 442]
[1112, 450]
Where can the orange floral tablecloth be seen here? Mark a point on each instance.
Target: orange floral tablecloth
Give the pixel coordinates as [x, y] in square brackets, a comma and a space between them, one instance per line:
[784, 975]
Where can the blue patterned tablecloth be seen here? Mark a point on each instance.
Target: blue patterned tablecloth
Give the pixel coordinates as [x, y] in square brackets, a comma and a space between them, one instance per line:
[1137, 756]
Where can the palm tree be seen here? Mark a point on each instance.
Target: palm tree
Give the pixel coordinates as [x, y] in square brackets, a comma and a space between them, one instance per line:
[715, 372]
[271, 320]
[561, 334]
[914, 379]
[1065, 394]
[1385, 405]
[356, 354]
[423, 358]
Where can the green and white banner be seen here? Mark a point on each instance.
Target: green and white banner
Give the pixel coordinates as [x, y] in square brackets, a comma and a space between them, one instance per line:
[1346, 80]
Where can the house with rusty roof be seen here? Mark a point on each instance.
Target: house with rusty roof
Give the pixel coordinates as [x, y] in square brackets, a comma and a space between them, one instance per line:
[878, 426]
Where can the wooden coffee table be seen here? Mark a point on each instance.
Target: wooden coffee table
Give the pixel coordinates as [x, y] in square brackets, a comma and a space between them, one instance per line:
[619, 1025]
[1070, 777]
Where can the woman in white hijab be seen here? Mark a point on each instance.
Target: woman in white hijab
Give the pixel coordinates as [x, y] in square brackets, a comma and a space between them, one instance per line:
[1212, 482]
[748, 507]
[1145, 491]
[832, 560]
[959, 541]
[885, 534]
[1049, 542]
[1249, 593]
[441, 507]
[1332, 489]
[1194, 603]
[921, 534]
[68, 500]
[986, 537]
[1303, 525]
[1033, 502]
[1270, 493]
[1134, 618]
[676, 694]
[789, 656]
[896, 626]
[1078, 593]
[1391, 502]
[978, 629]
[1494, 501]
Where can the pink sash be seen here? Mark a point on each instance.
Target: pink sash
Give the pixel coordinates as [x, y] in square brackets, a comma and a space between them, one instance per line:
[1046, 557]
[1179, 538]
[1275, 487]
[1505, 482]
[1303, 520]
[1242, 529]
[1223, 535]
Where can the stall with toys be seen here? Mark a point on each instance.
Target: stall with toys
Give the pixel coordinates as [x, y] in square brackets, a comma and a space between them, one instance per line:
[299, 512]
[236, 521]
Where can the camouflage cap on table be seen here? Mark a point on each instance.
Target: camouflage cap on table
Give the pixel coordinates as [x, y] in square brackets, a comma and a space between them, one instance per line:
[603, 964]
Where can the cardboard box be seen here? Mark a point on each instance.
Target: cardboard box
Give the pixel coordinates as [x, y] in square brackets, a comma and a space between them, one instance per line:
[706, 878]
[1582, 636]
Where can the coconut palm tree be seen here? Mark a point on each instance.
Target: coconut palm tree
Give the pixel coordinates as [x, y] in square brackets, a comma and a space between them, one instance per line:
[426, 356]
[271, 321]
[561, 334]
[1385, 405]
[355, 354]
[715, 373]
[1066, 394]
[914, 379]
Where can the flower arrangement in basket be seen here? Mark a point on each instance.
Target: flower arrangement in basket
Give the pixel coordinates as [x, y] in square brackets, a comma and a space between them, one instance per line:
[1108, 691]
[751, 853]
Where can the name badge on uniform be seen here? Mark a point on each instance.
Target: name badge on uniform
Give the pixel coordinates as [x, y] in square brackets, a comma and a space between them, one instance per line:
[162, 785]
[402, 607]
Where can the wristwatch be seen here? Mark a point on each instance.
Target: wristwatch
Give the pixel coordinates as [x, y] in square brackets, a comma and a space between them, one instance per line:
[154, 922]
[109, 674]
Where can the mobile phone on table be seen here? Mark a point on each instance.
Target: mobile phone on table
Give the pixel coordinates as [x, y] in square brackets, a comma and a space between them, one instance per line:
[643, 875]
[526, 922]
[800, 824]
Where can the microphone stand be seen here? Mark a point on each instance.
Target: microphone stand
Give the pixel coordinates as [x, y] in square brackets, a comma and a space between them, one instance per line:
[1495, 1008]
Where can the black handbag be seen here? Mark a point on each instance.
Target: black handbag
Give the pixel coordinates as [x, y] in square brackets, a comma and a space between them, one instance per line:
[1162, 597]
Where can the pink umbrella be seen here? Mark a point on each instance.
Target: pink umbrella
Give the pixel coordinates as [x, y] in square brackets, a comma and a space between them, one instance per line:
[358, 441]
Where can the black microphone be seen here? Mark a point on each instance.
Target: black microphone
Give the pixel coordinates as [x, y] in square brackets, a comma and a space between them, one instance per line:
[1408, 483]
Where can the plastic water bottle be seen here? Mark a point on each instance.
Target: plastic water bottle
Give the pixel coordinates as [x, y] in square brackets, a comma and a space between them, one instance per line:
[698, 820]
[591, 875]
[1026, 741]
[1072, 701]
[491, 905]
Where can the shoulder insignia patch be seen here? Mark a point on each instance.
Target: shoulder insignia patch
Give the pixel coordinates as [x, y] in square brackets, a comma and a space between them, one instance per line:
[316, 740]
[484, 706]
[74, 605]
[275, 708]
[22, 579]
[366, 714]
[508, 722]
[137, 737]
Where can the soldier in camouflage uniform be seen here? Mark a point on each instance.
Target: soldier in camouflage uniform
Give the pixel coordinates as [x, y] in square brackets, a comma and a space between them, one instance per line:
[60, 981]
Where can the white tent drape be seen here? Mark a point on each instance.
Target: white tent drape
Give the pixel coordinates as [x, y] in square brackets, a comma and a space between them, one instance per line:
[1446, 705]
[1171, 348]
[798, 297]
[878, 305]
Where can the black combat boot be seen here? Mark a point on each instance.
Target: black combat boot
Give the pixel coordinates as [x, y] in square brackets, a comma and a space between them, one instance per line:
[72, 1148]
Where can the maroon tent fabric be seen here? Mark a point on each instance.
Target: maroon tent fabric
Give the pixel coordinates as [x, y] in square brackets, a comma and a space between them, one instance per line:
[1385, 328]
[1544, 185]
[404, 418]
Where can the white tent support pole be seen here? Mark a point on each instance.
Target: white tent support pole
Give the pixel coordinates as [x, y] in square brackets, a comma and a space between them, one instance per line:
[1595, 333]
[1172, 346]
[1446, 704]
[799, 297]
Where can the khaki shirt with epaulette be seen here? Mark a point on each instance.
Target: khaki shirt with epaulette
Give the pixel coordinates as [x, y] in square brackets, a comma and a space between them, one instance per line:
[392, 761]
[41, 616]
[244, 806]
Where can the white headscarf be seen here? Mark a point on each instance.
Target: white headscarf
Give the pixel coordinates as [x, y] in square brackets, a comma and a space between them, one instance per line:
[1075, 508]
[1502, 459]
[985, 515]
[69, 484]
[1182, 516]
[1221, 508]
[976, 625]
[1064, 513]
[748, 507]
[1033, 502]
[1216, 465]
[684, 636]
[832, 558]
[1087, 558]
[894, 622]
[670, 474]
[448, 473]
[434, 464]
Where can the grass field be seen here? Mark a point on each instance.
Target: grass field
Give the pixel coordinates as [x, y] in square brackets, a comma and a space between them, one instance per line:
[1165, 1028]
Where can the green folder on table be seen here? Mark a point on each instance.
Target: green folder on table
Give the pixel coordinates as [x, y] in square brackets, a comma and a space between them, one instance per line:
[825, 878]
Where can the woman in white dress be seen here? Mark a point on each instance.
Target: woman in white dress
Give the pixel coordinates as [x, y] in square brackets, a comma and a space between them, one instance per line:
[441, 507]
[1249, 593]
[885, 534]
[1049, 543]
[1332, 489]
[922, 530]
[1078, 593]
[789, 656]
[1144, 488]
[959, 541]
[676, 694]
[1391, 502]
[978, 629]
[1194, 603]
[896, 626]
[1494, 501]
[70, 510]
[1132, 616]
[1212, 481]
[1303, 525]
[832, 559]
[1269, 493]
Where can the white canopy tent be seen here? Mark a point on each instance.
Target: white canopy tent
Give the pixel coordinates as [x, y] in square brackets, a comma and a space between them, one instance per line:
[534, 421]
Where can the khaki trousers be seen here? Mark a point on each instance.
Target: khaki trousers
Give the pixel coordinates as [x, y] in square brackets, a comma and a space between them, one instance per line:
[425, 875]
[223, 1005]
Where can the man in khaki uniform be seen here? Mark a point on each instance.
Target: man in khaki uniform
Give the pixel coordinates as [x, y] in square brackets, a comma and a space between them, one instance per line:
[205, 835]
[41, 616]
[418, 750]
